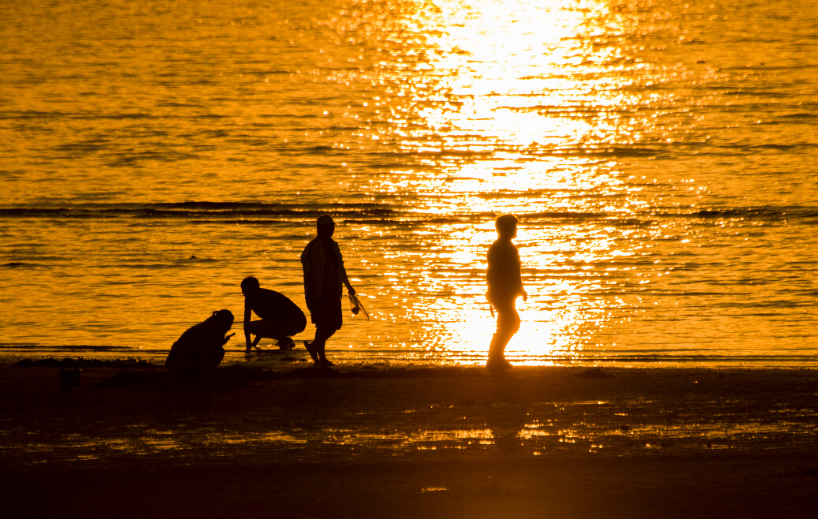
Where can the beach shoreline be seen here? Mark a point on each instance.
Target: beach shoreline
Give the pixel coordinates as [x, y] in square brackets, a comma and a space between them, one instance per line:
[430, 442]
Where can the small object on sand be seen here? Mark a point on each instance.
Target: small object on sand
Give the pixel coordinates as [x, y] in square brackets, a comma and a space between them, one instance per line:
[70, 378]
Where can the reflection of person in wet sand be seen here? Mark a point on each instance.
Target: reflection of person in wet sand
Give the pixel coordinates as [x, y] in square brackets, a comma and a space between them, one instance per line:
[323, 275]
[505, 284]
[194, 357]
[280, 317]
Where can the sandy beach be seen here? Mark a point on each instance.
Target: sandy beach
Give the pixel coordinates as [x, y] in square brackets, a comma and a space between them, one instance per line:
[436, 442]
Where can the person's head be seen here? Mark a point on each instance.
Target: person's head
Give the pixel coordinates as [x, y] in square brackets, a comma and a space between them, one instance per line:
[507, 226]
[221, 320]
[249, 285]
[326, 226]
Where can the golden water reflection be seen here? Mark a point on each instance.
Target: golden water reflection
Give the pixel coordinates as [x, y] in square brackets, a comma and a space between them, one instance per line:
[510, 107]
[589, 118]
[532, 438]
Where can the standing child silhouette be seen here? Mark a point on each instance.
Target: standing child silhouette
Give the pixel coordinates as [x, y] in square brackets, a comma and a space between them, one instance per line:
[505, 284]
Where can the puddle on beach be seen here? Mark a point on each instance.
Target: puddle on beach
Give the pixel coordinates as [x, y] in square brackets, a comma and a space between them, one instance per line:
[582, 427]
[539, 437]
[421, 440]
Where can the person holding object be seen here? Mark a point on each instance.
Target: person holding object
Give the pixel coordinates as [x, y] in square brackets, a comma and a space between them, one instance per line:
[505, 284]
[324, 274]
[193, 358]
[280, 317]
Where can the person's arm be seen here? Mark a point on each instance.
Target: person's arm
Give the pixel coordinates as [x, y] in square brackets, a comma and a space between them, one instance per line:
[306, 265]
[342, 271]
[520, 275]
[248, 315]
[345, 280]
[308, 283]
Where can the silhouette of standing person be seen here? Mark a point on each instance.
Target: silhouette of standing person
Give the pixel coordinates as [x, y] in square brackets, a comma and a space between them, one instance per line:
[193, 358]
[323, 275]
[280, 317]
[505, 284]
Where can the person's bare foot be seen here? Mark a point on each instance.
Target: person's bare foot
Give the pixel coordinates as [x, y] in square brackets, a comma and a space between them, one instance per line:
[498, 365]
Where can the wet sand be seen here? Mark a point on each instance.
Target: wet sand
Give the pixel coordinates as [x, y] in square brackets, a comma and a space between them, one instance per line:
[443, 442]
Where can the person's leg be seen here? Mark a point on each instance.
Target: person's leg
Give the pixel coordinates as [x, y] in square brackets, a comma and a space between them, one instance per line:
[320, 350]
[314, 307]
[253, 328]
[508, 322]
[271, 330]
[328, 318]
[288, 329]
[317, 347]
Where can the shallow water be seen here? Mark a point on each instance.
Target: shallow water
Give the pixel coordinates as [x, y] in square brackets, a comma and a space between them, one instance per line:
[659, 154]
[405, 414]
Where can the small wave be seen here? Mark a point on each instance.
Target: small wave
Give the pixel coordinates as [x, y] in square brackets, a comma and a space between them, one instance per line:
[660, 358]
[202, 210]
[762, 213]
[614, 151]
[197, 260]
[255, 213]
[570, 215]
[83, 363]
[35, 211]
[800, 116]
[114, 117]
[67, 348]
[245, 221]
[150, 266]
[31, 114]
[532, 193]
[321, 149]
[21, 265]
[775, 146]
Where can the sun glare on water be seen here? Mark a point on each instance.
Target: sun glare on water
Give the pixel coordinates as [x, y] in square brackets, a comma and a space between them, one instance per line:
[490, 109]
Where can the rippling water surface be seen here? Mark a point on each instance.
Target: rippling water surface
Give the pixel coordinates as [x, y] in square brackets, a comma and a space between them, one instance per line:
[660, 155]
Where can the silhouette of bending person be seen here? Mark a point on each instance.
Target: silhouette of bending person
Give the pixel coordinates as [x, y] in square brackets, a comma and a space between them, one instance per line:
[280, 317]
[323, 275]
[505, 284]
[193, 358]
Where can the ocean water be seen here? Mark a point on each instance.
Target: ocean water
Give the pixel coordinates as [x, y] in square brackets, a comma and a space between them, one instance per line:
[659, 154]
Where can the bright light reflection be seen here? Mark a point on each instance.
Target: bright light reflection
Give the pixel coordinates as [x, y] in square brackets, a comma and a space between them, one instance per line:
[506, 107]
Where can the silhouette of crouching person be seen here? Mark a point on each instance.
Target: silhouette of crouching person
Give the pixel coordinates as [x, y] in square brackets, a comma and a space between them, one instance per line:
[280, 317]
[193, 359]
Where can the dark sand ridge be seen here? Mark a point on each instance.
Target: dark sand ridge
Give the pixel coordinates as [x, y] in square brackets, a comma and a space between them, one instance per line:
[445, 442]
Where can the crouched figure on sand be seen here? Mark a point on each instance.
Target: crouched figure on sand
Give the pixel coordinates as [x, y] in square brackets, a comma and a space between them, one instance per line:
[280, 318]
[193, 358]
